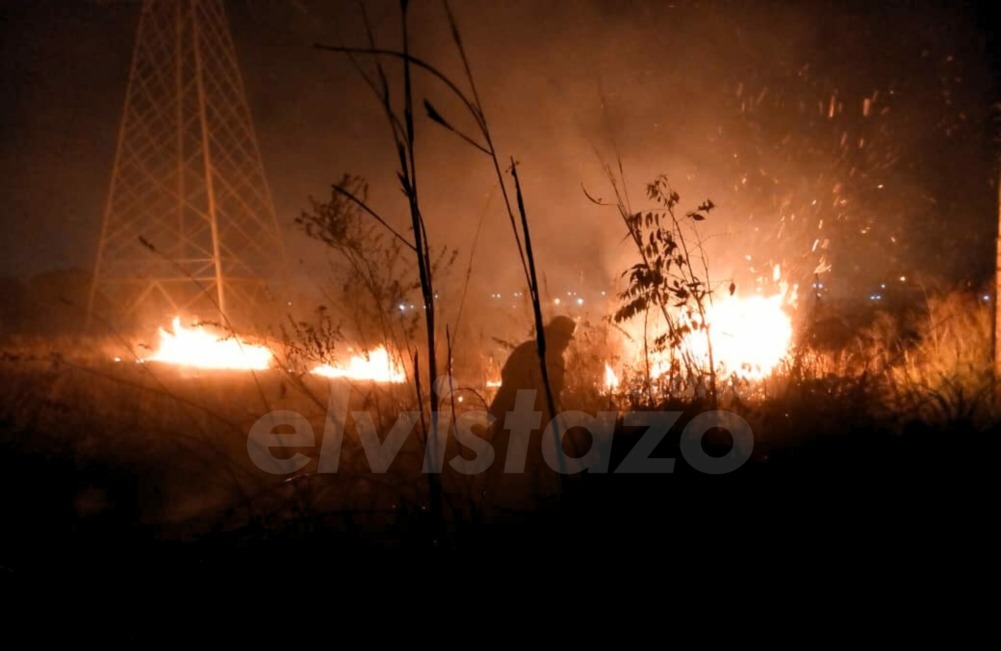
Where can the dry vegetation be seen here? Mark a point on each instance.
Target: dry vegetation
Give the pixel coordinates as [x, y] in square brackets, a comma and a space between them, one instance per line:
[99, 454]
[110, 453]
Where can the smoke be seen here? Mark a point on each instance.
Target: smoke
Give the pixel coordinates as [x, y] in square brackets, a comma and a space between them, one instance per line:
[851, 138]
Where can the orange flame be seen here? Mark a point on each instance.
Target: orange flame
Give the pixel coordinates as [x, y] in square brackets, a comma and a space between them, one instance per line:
[611, 379]
[374, 366]
[750, 336]
[199, 348]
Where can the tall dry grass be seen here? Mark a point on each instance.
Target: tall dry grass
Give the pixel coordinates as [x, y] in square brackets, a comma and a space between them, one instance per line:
[943, 373]
[930, 364]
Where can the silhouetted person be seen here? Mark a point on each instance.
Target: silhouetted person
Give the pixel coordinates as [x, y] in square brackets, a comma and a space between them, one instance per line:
[523, 371]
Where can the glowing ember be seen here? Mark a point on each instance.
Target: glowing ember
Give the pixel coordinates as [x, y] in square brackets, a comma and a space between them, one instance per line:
[375, 366]
[198, 348]
[611, 380]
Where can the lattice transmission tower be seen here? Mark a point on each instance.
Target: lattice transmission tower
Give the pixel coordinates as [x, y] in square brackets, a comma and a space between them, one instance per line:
[189, 225]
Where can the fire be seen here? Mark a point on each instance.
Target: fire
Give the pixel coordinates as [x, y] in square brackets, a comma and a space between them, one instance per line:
[611, 379]
[750, 336]
[374, 366]
[199, 348]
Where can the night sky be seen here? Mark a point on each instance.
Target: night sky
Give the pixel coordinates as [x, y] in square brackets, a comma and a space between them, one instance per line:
[858, 136]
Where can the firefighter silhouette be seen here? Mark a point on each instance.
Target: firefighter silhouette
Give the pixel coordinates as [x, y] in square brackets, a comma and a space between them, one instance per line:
[522, 371]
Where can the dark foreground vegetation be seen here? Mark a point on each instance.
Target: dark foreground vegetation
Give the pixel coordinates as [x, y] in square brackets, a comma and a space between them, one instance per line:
[880, 445]
[117, 472]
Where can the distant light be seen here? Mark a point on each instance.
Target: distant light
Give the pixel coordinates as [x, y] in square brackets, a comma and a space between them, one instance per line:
[986, 297]
[118, 359]
[556, 301]
[880, 186]
[903, 279]
[875, 297]
[402, 307]
[580, 301]
[602, 293]
[882, 285]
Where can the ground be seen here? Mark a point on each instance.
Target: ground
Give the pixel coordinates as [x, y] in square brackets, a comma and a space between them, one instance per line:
[110, 472]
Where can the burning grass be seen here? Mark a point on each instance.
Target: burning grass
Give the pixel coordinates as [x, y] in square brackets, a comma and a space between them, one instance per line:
[198, 348]
[158, 449]
[158, 453]
[374, 366]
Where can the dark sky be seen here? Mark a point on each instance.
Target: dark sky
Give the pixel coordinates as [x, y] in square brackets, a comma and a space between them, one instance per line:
[854, 134]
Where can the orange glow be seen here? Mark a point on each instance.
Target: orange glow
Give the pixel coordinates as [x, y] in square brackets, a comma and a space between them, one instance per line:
[750, 336]
[198, 348]
[611, 379]
[375, 366]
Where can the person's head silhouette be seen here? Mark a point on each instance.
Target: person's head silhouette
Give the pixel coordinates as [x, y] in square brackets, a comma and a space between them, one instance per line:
[559, 332]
